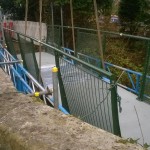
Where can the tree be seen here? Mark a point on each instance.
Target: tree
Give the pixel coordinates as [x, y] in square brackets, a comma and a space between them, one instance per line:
[12, 8]
[17, 9]
[84, 10]
[132, 13]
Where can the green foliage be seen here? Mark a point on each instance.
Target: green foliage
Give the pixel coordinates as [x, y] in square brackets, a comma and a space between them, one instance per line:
[13, 7]
[128, 140]
[132, 13]
[87, 5]
[145, 17]
[7, 5]
[61, 2]
[146, 146]
[132, 141]
[105, 6]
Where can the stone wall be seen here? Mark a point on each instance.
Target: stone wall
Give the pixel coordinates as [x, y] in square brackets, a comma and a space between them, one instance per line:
[27, 124]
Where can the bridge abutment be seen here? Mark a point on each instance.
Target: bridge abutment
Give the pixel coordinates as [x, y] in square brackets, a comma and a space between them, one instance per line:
[27, 124]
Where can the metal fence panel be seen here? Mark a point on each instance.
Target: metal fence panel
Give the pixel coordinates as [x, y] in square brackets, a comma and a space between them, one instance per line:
[89, 97]
[145, 85]
[53, 37]
[28, 55]
[9, 43]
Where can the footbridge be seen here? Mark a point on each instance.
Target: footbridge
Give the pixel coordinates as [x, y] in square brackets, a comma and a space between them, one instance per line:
[85, 90]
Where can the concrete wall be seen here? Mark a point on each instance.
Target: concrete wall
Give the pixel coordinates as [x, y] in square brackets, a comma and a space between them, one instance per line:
[26, 124]
[32, 29]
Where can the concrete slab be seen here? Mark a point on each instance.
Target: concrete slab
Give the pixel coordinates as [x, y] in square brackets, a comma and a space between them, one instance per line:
[128, 118]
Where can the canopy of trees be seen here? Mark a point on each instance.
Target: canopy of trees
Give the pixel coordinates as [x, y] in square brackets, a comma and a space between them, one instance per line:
[133, 13]
[17, 7]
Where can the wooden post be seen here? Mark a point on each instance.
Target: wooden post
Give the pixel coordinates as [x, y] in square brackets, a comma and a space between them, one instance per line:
[40, 34]
[52, 11]
[62, 26]
[72, 24]
[99, 34]
[26, 16]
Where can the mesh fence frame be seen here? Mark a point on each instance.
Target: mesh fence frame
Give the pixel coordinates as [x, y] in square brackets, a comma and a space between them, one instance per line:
[88, 96]
[53, 37]
[9, 43]
[145, 85]
[28, 54]
[117, 41]
[87, 43]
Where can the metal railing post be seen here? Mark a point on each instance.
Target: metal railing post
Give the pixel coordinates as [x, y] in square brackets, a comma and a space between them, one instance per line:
[55, 86]
[142, 88]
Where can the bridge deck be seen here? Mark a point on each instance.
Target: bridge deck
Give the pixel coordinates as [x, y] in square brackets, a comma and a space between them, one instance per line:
[128, 118]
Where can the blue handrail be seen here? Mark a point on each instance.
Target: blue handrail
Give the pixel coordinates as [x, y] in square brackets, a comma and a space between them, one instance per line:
[135, 84]
[21, 77]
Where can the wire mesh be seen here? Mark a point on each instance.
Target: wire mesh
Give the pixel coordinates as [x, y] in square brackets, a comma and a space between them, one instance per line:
[146, 94]
[28, 55]
[125, 45]
[89, 97]
[145, 86]
[54, 36]
[87, 43]
[9, 43]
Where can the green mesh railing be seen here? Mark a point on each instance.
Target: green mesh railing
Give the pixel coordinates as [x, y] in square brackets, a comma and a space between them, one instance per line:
[87, 43]
[145, 84]
[27, 50]
[53, 37]
[87, 92]
[9, 43]
[89, 97]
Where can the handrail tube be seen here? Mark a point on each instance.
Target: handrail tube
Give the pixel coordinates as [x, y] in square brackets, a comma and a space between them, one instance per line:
[10, 62]
[101, 71]
[124, 69]
[110, 32]
[27, 73]
[82, 62]
[18, 75]
[32, 78]
[135, 87]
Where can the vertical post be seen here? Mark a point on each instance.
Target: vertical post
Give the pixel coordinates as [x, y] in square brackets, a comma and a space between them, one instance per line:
[40, 34]
[26, 16]
[72, 24]
[52, 11]
[55, 87]
[104, 42]
[61, 85]
[62, 26]
[142, 88]
[1, 27]
[99, 34]
[114, 105]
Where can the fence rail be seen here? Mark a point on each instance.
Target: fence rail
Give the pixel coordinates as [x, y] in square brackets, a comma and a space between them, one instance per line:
[87, 44]
[132, 76]
[22, 80]
[84, 78]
